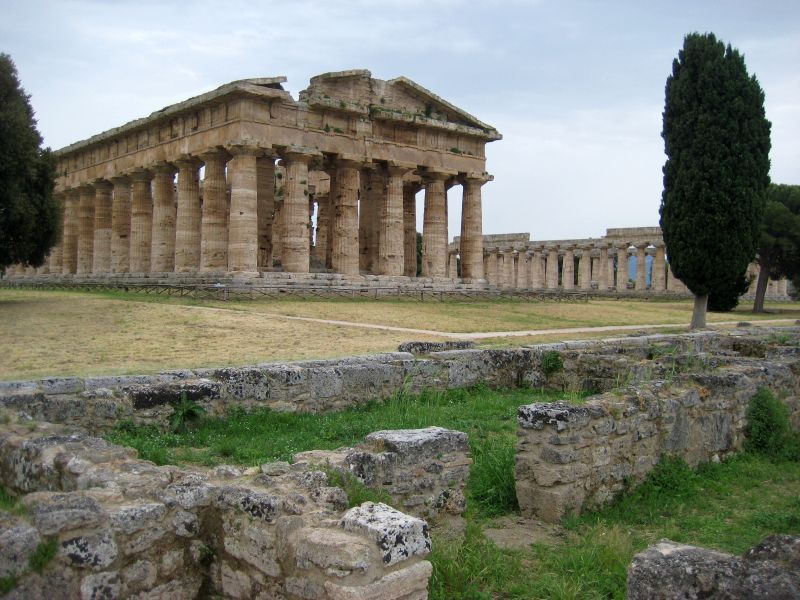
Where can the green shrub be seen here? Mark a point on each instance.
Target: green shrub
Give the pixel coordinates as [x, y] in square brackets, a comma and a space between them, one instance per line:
[552, 362]
[768, 431]
[44, 553]
[185, 412]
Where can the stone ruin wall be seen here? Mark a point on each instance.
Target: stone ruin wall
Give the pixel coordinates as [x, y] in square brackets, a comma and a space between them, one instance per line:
[125, 528]
[688, 404]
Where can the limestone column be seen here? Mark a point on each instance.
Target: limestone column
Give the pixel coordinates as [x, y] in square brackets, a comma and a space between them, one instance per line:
[295, 258]
[658, 279]
[162, 257]
[551, 270]
[265, 172]
[391, 239]
[508, 267]
[277, 230]
[410, 230]
[472, 227]
[584, 268]
[523, 270]
[57, 251]
[641, 267]
[603, 276]
[141, 220]
[373, 207]
[344, 194]
[187, 216]
[595, 269]
[101, 254]
[243, 219]
[622, 268]
[502, 272]
[330, 169]
[86, 229]
[568, 270]
[486, 265]
[537, 274]
[214, 219]
[69, 253]
[121, 225]
[452, 265]
[492, 264]
[434, 229]
[323, 228]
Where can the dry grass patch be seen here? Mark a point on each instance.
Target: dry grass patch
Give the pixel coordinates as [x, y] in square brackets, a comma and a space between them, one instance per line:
[66, 333]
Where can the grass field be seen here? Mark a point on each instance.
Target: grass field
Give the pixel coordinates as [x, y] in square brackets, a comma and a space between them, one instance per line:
[729, 506]
[47, 333]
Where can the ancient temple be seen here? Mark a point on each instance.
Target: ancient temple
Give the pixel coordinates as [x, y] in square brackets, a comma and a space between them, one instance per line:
[228, 182]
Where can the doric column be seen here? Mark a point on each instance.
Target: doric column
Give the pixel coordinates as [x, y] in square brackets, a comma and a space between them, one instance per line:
[641, 267]
[141, 220]
[523, 269]
[410, 229]
[372, 195]
[602, 279]
[121, 225]
[622, 268]
[595, 269]
[265, 172]
[452, 265]
[585, 267]
[508, 267]
[101, 254]
[277, 229]
[323, 228]
[472, 226]
[551, 277]
[56, 253]
[69, 252]
[568, 269]
[187, 216]
[214, 219]
[86, 229]
[391, 241]
[658, 279]
[537, 273]
[344, 194]
[296, 250]
[162, 253]
[491, 266]
[434, 228]
[243, 217]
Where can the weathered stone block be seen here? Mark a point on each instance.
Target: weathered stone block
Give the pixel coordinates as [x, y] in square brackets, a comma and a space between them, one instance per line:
[399, 536]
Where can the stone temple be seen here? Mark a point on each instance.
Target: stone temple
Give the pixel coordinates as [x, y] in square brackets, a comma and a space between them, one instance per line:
[353, 150]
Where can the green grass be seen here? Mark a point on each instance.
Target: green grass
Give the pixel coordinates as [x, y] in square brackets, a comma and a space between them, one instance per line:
[44, 553]
[10, 504]
[730, 506]
[488, 417]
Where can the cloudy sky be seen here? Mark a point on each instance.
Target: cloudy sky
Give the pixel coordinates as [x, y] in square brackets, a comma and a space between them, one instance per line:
[575, 87]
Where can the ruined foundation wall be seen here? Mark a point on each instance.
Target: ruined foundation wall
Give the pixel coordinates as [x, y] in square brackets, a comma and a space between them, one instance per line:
[576, 456]
[125, 528]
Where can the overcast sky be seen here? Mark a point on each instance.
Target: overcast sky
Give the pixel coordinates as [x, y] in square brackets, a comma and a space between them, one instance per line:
[575, 87]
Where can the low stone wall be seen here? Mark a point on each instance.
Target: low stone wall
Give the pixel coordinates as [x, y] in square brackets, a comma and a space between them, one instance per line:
[98, 403]
[668, 570]
[425, 471]
[576, 456]
[118, 527]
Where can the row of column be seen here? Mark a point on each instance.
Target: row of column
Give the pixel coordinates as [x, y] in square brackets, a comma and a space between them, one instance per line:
[577, 267]
[142, 222]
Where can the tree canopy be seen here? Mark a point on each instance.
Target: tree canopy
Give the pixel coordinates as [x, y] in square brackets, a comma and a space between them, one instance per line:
[717, 142]
[29, 214]
[779, 245]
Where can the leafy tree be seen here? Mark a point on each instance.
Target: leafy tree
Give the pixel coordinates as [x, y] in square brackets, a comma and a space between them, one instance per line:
[29, 214]
[717, 142]
[725, 298]
[779, 247]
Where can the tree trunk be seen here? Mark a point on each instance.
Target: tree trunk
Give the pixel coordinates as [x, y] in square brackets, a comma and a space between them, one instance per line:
[699, 313]
[761, 285]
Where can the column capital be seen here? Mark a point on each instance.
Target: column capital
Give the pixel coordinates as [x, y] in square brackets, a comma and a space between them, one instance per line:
[140, 174]
[215, 152]
[102, 184]
[121, 179]
[347, 163]
[164, 168]
[398, 169]
[475, 178]
[244, 149]
[85, 187]
[429, 175]
[300, 153]
[187, 161]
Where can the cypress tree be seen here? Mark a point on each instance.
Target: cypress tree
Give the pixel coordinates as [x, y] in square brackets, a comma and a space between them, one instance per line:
[717, 142]
[29, 214]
